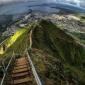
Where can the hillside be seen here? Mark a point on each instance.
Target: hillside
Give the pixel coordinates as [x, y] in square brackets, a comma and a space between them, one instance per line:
[63, 50]
[57, 56]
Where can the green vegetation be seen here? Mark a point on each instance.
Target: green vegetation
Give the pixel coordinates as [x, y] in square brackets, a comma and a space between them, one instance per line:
[2, 38]
[17, 43]
[48, 67]
[57, 56]
[13, 38]
[79, 35]
[48, 37]
[82, 17]
[54, 41]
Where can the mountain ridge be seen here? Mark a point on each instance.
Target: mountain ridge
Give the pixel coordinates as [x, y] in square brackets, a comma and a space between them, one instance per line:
[51, 47]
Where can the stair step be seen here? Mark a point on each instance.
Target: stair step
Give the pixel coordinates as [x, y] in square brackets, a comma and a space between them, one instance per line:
[20, 74]
[24, 63]
[20, 67]
[21, 81]
[17, 65]
[21, 59]
[20, 70]
[21, 62]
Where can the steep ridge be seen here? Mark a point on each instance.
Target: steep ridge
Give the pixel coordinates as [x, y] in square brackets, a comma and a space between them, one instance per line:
[62, 48]
[49, 37]
[58, 57]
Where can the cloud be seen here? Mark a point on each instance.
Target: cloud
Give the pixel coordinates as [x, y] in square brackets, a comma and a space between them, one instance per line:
[3, 1]
[53, 1]
[7, 1]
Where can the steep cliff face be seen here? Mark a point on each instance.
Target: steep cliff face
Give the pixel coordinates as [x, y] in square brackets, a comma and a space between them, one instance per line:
[50, 38]
[58, 57]
[60, 45]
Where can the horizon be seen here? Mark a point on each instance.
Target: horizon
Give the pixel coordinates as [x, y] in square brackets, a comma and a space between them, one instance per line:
[21, 6]
[75, 2]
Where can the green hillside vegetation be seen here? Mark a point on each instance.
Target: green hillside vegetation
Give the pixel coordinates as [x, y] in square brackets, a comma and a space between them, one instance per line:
[81, 36]
[50, 38]
[59, 58]
[81, 16]
[54, 41]
[17, 42]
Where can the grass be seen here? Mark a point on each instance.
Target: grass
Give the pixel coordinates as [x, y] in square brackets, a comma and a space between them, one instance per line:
[80, 36]
[60, 45]
[56, 51]
[56, 41]
[80, 16]
[13, 38]
[76, 73]
[17, 43]
[47, 67]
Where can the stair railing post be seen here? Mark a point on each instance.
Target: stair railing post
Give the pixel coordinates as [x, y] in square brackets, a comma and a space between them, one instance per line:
[36, 76]
[5, 73]
[3, 67]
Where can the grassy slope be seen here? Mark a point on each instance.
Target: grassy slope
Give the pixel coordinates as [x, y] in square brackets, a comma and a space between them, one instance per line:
[17, 43]
[48, 67]
[51, 38]
[60, 45]
[60, 54]
[82, 17]
[81, 36]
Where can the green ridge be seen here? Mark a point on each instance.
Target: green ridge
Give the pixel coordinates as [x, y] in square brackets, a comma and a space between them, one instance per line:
[54, 52]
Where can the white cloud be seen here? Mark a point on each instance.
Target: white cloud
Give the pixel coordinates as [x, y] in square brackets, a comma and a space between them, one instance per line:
[75, 1]
[51, 0]
[6, 1]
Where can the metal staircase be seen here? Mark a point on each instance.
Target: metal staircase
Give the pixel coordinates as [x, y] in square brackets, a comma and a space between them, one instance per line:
[20, 71]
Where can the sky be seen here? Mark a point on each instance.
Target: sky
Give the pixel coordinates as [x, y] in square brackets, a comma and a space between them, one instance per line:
[77, 2]
[20, 7]
[5, 1]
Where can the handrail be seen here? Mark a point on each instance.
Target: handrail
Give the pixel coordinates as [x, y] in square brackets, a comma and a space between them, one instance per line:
[4, 41]
[6, 69]
[30, 46]
[38, 81]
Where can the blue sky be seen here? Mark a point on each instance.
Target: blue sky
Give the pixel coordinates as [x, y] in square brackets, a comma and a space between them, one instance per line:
[20, 7]
[4, 1]
[76, 2]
